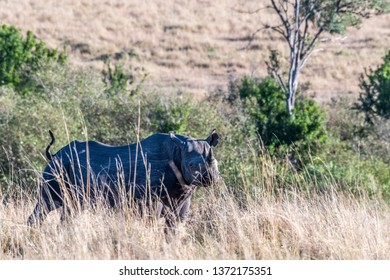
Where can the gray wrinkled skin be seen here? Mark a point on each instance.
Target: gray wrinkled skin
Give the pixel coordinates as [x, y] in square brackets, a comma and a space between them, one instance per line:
[163, 167]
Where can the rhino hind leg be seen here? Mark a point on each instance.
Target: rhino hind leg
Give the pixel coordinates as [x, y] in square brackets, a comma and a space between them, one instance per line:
[37, 216]
[41, 210]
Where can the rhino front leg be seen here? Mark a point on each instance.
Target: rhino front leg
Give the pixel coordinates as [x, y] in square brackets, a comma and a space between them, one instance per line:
[184, 210]
[170, 218]
[159, 210]
[173, 217]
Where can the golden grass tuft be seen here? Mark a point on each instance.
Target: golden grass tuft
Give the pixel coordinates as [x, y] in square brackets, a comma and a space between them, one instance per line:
[285, 226]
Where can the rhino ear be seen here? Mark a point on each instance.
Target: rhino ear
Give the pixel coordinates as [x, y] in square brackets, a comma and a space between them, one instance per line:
[176, 140]
[213, 138]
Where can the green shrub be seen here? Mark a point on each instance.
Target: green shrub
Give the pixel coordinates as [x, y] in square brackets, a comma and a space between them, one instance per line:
[265, 103]
[119, 81]
[374, 100]
[19, 57]
[170, 114]
[350, 168]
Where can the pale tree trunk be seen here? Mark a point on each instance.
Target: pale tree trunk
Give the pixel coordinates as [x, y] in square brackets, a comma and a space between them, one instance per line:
[295, 30]
[292, 85]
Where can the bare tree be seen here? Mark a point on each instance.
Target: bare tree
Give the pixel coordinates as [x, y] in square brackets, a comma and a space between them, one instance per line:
[302, 22]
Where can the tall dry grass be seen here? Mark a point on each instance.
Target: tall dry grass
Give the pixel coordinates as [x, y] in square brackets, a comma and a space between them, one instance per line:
[289, 225]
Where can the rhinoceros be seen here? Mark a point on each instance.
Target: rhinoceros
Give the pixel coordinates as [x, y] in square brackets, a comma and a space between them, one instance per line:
[166, 168]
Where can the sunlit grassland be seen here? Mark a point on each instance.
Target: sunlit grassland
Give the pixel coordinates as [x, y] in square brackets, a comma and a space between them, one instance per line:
[260, 223]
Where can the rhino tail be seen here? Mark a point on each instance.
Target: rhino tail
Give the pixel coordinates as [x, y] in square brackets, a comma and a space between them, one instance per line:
[48, 154]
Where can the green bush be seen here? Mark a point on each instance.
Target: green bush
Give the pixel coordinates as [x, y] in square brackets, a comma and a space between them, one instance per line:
[119, 80]
[265, 103]
[374, 100]
[170, 115]
[19, 57]
[349, 169]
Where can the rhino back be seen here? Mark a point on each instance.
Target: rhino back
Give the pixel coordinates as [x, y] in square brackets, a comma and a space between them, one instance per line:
[129, 165]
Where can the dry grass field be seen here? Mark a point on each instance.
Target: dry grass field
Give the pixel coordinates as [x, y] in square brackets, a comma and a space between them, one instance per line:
[260, 221]
[193, 46]
[284, 227]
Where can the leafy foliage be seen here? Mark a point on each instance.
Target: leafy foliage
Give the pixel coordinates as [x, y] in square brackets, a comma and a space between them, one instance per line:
[336, 16]
[265, 102]
[374, 100]
[20, 57]
[170, 115]
[118, 80]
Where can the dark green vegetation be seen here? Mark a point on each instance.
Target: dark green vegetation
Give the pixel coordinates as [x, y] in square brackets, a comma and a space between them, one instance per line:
[374, 100]
[264, 102]
[21, 57]
[261, 149]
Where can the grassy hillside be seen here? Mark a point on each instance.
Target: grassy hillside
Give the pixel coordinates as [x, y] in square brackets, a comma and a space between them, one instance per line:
[193, 46]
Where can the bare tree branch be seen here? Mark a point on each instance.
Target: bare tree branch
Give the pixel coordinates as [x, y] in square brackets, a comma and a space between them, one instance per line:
[284, 20]
[252, 37]
[264, 27]
[313, 42]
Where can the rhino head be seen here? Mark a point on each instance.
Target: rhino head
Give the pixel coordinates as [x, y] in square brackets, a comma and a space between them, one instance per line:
[198, 164]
